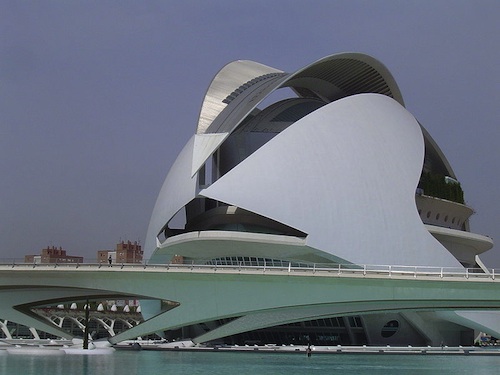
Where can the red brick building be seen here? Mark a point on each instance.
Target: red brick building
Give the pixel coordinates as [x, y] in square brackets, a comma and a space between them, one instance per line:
[126, 252]
[53, 255]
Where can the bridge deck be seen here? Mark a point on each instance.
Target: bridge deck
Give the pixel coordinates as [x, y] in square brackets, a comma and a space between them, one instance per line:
[259, 295]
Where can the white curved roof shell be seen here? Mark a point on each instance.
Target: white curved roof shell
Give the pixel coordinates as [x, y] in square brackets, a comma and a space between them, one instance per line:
[229, 78]
[345, 174]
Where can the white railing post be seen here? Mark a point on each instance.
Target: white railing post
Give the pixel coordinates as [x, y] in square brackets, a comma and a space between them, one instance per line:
[314, 267]
[289, 266]
[441, 272]
[339, 268]
[466, 273]
[364, 269]
[390, 271]
[493, 273]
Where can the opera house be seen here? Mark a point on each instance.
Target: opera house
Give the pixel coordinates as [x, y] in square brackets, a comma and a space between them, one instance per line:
[322, 166]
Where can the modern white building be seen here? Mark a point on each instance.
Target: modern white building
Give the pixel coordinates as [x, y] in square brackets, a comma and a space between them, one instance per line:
[320, 166]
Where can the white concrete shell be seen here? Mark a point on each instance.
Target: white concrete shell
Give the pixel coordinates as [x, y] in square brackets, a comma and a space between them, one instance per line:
[328, 174]
[360, 209]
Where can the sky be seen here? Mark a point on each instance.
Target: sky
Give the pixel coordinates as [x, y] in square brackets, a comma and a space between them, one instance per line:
[97, 98]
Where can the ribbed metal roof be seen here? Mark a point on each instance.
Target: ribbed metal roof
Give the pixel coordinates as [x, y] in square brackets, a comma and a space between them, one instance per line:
[231, 77]
[347, 75]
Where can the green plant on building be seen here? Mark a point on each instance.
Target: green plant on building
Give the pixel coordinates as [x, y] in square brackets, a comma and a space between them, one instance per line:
[437, 185]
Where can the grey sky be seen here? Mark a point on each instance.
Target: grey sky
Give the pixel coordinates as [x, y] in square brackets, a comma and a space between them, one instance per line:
[98, 97]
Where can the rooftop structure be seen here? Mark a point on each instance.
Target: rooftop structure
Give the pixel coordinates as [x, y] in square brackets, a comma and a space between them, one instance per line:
[53, 255]
[125, 252]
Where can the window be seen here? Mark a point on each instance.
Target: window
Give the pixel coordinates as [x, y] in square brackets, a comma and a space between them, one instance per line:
[390, 329]
[355, 321]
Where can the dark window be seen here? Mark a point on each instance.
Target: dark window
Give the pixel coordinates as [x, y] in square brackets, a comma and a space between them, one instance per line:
[390, 329]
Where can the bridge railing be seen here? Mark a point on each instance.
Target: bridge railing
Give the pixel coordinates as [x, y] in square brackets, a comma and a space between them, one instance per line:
[274, 267]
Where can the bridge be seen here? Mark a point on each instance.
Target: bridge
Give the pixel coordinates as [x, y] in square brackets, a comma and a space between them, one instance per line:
[257, 296]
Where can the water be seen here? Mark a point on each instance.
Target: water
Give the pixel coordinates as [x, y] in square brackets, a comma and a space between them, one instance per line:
[222, 363]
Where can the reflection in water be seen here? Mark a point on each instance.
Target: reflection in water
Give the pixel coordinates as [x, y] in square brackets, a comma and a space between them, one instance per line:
[222, 363]
[64, 364]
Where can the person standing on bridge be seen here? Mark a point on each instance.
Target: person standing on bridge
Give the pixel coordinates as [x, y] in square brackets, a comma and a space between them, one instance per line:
[110, 260]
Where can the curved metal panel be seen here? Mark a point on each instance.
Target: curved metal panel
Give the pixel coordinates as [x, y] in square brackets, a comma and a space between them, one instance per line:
[178, 189]
[346, 74]
[345, 174]
[229, 78]
[204, 146]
